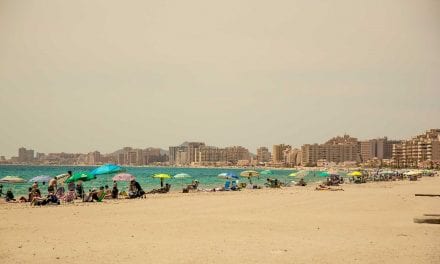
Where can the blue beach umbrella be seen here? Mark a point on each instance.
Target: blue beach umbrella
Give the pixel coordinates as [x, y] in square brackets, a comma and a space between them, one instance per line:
[107, 169]
[228, 176]
[41, 178]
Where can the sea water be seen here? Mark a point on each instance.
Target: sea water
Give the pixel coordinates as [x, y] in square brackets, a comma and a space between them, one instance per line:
[207, 177]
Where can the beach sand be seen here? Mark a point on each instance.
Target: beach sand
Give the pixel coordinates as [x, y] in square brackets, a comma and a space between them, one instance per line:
[368, 223]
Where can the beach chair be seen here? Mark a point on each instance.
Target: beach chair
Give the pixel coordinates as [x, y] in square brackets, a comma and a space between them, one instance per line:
[101, 197]
[227, 186]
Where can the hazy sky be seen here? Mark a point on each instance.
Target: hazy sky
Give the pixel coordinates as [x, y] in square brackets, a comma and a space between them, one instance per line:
[78, 76]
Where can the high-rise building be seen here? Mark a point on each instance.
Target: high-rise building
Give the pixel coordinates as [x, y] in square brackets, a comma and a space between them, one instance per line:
[22, 154]
[190, 148]
[337, 149]
[380, 148]
[94, 158]
[278, 152]
[208, 155]
[25, 155]
[263, 154]
[425, 147]
[292, 156]
[236, 153]
[122, 160]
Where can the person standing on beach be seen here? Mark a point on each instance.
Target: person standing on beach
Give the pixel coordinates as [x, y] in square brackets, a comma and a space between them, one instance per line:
[1, 190]
[115, 191]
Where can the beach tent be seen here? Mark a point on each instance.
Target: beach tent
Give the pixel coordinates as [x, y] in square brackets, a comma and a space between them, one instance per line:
[107, 169]
[12, 179]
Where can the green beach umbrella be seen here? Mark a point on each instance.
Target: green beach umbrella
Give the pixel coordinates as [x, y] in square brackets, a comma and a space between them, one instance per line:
[324, 174]
[266, 172]
[294, 174]
[81, 176]
[161, 176]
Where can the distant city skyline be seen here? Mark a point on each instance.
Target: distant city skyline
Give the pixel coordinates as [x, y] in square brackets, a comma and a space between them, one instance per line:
[78, 76]
[252, 150]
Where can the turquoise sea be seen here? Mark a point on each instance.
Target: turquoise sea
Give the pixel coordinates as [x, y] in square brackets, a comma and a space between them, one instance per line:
[206, 176]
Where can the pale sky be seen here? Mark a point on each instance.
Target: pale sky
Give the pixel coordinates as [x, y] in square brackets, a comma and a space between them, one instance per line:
[78, 76]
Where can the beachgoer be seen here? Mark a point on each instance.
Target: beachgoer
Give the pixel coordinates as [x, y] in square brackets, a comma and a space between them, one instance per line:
[79, 189]
[1, 190]
[52, 186]
[115, 190]
[135, 190]
[108, 192]
[9, 196]
[71, 186]
[302, 182]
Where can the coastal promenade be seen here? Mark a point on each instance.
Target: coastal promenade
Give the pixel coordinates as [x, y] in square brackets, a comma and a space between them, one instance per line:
[366, 223]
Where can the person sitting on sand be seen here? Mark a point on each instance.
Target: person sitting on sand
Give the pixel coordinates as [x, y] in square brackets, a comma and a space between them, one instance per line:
[9, 196]
[92, 196]
[193, 185]
[60, 192]
[36, 190]
[135, 190]
[301, 182]
[164, 189]
[108, 192]
[52, 186]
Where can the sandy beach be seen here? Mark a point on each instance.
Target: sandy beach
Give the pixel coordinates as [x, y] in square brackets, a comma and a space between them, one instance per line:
[368, 223]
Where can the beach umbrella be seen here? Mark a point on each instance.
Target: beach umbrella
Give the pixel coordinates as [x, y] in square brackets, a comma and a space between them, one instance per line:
[355, 174]
[124, 177]
[12, 179]
[161, 176]
[266, 172]
[294, 174]
[81, 176]
[249, 174]
[181, 176]
[228, 176]
[107, 169]
[62, 178]
[324, 174]
[412, 173]
[41, 178]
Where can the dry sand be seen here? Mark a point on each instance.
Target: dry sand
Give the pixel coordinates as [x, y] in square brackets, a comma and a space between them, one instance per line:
[368, 223]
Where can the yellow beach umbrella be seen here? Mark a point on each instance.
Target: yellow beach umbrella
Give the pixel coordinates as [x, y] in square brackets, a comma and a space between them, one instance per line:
[161, 176]
[355, 174]
[249, 174]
